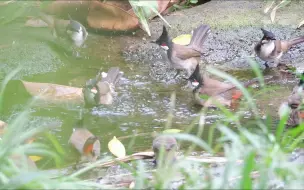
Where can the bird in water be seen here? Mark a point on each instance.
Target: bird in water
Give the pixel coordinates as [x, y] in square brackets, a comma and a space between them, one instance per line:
[86, 144]
[226, 94]
[294, 105]
[271, 49]
[100, 90]
[72, 31]
[169, 146]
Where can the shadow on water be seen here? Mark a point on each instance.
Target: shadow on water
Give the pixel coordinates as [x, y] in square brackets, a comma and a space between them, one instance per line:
[142, 104]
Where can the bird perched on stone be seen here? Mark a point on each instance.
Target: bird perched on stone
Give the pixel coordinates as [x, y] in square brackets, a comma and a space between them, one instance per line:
[184, 57]
[269, 48]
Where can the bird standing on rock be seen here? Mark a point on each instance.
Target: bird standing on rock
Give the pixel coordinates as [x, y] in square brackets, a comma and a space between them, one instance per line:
[184, 57]
[270, 49]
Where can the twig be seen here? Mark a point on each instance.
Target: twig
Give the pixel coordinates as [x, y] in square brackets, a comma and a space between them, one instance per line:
[253, 175]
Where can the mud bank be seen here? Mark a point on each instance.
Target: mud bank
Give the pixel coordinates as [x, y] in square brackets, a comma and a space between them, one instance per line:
[235, 29]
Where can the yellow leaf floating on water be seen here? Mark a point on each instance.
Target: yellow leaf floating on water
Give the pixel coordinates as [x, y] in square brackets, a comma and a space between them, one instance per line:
[183, 39]
[35, 158]
[172, 131]
[117, 148]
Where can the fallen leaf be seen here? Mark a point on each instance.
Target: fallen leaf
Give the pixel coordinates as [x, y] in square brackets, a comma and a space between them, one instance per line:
[281, 4]
[35, 158]
[54, 93]
[117, 148]
[300, 24]
[172, 131]
[183, 39]
[17, 159]
[269, 6]
[108, 16]
[132, 185]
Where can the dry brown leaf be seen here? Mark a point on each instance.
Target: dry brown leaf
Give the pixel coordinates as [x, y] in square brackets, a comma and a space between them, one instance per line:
[110, 17]
[268, 6]
[273, 13]
[136, 156]
[54, 93]
[300, 24]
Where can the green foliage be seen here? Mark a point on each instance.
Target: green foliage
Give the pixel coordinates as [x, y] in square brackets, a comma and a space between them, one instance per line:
[145, 10]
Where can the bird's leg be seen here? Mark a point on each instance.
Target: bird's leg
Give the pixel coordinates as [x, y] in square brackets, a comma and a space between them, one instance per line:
[177, 73]
[266, 65]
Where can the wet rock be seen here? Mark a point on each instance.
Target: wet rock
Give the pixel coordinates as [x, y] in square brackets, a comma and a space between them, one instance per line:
[235, 29]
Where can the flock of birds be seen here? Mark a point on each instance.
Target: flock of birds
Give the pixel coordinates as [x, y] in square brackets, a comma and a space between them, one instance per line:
[183, 57]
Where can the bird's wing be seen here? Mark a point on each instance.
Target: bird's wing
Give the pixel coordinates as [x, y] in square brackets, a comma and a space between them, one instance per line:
[278, 48]
[184, 52]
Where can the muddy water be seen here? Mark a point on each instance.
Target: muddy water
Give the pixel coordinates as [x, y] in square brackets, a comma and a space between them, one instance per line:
[142, 104]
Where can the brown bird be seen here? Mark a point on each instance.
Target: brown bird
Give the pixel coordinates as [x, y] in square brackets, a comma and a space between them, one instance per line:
[295, 105]
[270, 49]
[226, 94]
[169, 146]
[86, 144]
[184, 57]
[101, 89]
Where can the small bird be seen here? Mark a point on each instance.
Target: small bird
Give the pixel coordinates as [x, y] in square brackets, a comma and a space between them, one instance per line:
[270, 49]
[224, 93]
[184, 57]
[294, 105]
[101, 89]
[71, 30]
[169, 146]
[86, 144]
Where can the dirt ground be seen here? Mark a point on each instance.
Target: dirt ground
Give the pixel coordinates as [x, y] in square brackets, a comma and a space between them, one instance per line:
[235, 29]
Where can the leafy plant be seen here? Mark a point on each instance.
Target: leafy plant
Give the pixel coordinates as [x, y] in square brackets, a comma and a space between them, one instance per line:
[144, 10]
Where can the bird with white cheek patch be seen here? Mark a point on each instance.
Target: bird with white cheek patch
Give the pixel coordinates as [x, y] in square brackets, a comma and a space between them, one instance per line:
[270, 49]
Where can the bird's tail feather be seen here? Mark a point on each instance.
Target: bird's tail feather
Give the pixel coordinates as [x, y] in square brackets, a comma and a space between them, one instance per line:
[297, 40]
[256, 81]
[199, 36]
[113, 76]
